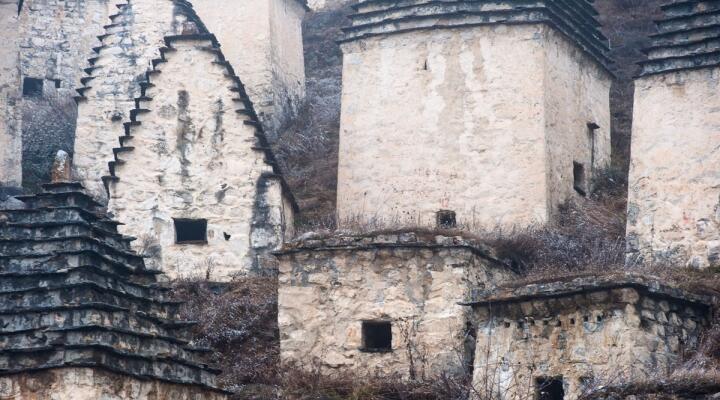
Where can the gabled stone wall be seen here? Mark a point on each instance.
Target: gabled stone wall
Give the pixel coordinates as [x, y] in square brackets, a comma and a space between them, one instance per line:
[268, 56]
[329, 286]
[610, 329]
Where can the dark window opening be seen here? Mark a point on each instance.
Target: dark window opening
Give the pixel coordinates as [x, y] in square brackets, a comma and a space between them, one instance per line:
[32, 87]
[550, 388]
[579, 178]
[57, 83]
[226, 236]
[592, 128]
[190, 231]
[377, 336]
[20, 6]
[446, 219]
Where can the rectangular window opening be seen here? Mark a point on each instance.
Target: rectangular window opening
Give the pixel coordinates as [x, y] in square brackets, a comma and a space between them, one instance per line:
[190, 231]
[550, 388]
[446, 219]
[32, 87]
[377, 336]
[579, 178]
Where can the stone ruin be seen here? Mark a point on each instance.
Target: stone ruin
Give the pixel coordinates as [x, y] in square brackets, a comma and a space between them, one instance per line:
[81, 317]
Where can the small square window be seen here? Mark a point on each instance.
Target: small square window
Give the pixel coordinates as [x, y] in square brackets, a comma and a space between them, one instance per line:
[376, 336]
[190, 231]
[550, 388]
[579, 178]
[446, 219]
[32, 87]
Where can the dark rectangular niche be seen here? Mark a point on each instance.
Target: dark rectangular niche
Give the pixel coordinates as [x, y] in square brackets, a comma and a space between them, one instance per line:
[190, 231]
[549, 388]
[446, 219]
[579, 178]
[32, 87]
[377, 336]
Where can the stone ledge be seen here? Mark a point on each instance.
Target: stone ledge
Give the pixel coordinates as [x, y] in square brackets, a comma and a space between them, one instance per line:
[339, 241]
[585, 285]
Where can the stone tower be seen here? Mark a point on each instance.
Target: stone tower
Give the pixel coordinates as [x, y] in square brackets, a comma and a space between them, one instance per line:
[674, 186]
[475, 113]
[45, 45]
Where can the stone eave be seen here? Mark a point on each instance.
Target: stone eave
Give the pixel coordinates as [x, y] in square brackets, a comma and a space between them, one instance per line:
[592, 45]
[387, 240]
[582, 285]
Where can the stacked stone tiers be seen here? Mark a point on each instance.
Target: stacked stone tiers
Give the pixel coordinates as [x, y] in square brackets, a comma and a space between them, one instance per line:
[73, 294]
[688, 38]
[576, 19]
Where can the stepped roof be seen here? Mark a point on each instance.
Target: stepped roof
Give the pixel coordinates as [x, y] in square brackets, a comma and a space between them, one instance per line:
[576, 19]
[74, 294]
[688, 37]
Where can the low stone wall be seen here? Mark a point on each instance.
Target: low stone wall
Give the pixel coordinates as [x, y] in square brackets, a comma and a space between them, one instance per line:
[93, 384]
[612, 329]
[329, 286]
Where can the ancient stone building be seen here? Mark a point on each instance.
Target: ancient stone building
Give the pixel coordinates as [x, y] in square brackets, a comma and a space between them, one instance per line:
[674, 184]
[193, 176]
[80, 316]
[559, 337]
[270, 58]
[493, 111]
[45, 45]
[381, 303]
[133, 40]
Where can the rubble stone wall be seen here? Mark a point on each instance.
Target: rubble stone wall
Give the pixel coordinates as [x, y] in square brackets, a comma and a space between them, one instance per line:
[10, 134]
[674, 186]
[194, 157]
[492, 123]
[93, 384]
[328, 287]
[610, 334]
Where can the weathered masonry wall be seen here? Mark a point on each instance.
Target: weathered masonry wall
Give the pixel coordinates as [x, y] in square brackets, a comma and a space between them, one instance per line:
[93, 384]
[56, 39]
[606, 333]
[192, 154]
[674, 184]
[328, 287]
[269, 57]
[115, 75]
[10, 136]
[485, 130]
[674, 194]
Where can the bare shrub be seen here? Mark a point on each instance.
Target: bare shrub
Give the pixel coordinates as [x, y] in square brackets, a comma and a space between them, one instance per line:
[238, 321]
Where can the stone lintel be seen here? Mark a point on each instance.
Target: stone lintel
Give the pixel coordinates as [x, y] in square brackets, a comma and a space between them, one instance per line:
[586, 285]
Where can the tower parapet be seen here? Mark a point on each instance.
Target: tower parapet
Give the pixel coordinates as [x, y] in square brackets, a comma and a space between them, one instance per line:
[494, 112]
[674, 185]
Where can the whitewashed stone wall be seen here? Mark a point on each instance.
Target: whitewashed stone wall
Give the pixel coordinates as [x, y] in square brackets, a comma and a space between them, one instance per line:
[485, 121]
[263, 41]
[10, 134]
[194, 157]
[327, 287]
[134, 39]
[674, 188]
[609, 335]
[93, 384]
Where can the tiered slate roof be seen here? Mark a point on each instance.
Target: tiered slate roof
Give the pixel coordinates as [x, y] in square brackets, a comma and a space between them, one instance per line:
[73, 294]
[688, 38]
[576, 19]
